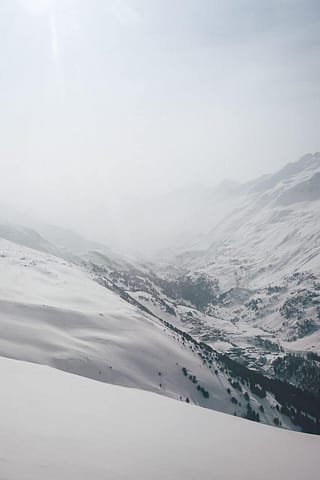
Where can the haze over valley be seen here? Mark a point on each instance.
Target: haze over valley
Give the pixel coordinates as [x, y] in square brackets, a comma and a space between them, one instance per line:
[159, 239]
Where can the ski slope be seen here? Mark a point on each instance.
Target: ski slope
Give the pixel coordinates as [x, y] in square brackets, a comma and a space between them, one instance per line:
[56, 425]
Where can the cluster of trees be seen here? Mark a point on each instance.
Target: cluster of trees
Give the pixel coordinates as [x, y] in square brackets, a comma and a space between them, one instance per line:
[204, 392]
[294, 306]
[267, 344]
[200, 290]
[271, 289]
[302, 371]
[313, 356]
[194, 380]
[253, 304]
[303, 420]
[251, 414]
[300, 277]
[308, 404]
[258, 390]
[236, 385]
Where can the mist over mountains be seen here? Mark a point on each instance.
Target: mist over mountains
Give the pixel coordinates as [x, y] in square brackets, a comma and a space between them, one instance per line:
[238, 271]
[220, 309]
[185, 218]
[159, 240]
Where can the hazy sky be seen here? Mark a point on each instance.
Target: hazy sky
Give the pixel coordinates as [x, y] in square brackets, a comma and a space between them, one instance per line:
[104, 97]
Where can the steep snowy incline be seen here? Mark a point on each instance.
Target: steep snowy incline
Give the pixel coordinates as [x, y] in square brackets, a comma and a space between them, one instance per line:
[54, 425]
[274, 231]
[52, 312]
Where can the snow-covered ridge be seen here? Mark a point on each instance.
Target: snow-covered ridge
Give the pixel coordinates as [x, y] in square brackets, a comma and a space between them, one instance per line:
[60, 426]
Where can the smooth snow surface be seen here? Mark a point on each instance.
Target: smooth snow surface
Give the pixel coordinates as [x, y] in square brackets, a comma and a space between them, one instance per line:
[58, 426]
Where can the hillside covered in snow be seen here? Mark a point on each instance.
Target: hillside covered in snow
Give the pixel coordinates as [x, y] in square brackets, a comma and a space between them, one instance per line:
[226, 325]
[250, 286]
[58, 425]
[68, 316]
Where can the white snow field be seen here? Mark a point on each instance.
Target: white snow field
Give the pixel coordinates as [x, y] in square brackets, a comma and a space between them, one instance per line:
[55, 425]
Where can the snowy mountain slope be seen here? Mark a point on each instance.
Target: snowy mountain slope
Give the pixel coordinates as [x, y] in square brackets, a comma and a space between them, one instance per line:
[56, 425]
[73, 246]
[289, 176]
[267, 237]
[68, 239]
[27, 237]
[259, 245]
[139, 324]
[54, 313]
[60, 314]
[271, 237]
[143, 289]
[265, 258]
[252, 285]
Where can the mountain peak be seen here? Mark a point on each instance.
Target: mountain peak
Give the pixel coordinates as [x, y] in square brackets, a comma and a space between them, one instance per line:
[309, 162]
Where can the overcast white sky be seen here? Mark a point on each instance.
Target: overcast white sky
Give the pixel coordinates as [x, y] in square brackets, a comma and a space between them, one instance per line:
[105, 97]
